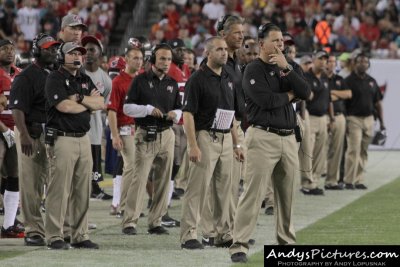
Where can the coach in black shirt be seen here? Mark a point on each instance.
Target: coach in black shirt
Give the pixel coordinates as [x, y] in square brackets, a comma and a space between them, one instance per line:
[153, 100]
[27, 101]
[360, 121]
[272, 147]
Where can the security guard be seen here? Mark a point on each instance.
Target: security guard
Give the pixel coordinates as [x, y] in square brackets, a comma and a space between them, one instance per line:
[318, 107]
[28, 104]
[71, 97]
[208, 117]
[122, 126]
[339, 92]
[153, 100]
[8, 151]
[270, 85]
[360, 121]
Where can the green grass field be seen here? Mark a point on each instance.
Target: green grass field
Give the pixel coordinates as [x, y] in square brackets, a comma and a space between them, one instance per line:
[371, 220]
[345, 217]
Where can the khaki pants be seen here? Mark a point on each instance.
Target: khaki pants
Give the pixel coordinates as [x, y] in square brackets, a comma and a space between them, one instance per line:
[359, 135]
[319, 137]
[268, 155]
[33, 173]
[161, 153]
[306, 153]
[214, 170]
[335, 149]
[182, 175]
[238, 172]
[70, 180]
[128, 156]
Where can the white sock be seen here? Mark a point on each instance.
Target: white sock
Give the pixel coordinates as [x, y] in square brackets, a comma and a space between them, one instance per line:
[116, 190]
[171, 190]
[11, 201]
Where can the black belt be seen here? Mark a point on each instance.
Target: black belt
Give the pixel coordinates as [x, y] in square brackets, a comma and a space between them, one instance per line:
[61, 133]
[159, 129]
[281, 132]
[220, 131]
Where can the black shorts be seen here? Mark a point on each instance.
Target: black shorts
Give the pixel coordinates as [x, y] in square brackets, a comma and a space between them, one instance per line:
[97, 174]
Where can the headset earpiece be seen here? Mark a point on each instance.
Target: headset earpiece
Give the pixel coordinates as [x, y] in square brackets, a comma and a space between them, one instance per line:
[221, 22]
[60, 55]
[36, 50]
[264, 28]
[152, 58]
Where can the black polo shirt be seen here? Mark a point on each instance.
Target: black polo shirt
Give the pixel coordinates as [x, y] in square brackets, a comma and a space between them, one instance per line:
[365, 94]
[148, 89]
[319, 105]
[205, 92]
[60, 84]
[27, 93]
[336, 82]
[267, 102]
[234, 71]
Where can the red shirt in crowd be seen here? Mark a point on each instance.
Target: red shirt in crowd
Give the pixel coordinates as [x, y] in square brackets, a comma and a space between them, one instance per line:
[5, 87]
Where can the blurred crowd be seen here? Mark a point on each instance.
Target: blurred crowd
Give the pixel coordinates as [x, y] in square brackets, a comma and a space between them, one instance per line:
[339, 26]
[22, 20]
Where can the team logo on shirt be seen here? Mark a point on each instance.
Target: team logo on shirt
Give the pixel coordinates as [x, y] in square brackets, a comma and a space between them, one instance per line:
[272, 73]
[230, 85]
[326, 84]
[371, 84]
[67, 82]
[315, 84]
[170, 88]
[84, 86]
[338, 83]
[252, 81]
[55, 97]
[15, 101]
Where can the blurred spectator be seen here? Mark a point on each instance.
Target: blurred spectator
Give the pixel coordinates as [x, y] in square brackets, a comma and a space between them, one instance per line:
[195, 17]
[28, 20]
[7, 20]
[347, 39]
[369, 32]
[83, 7]
[49, 21]
[213, 10]
[198, 40]
[190, 59]
[306, 63]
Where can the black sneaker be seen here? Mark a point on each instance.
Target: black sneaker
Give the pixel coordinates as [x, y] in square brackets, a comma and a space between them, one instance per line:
[239, 257]
[12, 232]
[158, 230]
[225, 244]
[263, 204]
[192, 244]
[333, 187]
[167, 221]
[360, 186]
[85, 244]
[175, 196]
[19, 225]
[269, 211]
[130, 230]
[349, 186]
[35, 241]
[208, 241]
[67, 239]
[315, 191]
[101, 195]
[58, 244]
[179, 191]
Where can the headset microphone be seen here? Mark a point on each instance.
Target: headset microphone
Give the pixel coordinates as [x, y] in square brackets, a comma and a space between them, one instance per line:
[75, 63]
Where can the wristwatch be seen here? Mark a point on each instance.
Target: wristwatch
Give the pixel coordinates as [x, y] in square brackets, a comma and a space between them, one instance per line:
[287, 69]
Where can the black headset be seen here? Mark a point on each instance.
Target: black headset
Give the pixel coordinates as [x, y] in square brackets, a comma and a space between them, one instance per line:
[266, 28]
[36, 50]
[221, 22]
[152, 58]
[60, 55]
